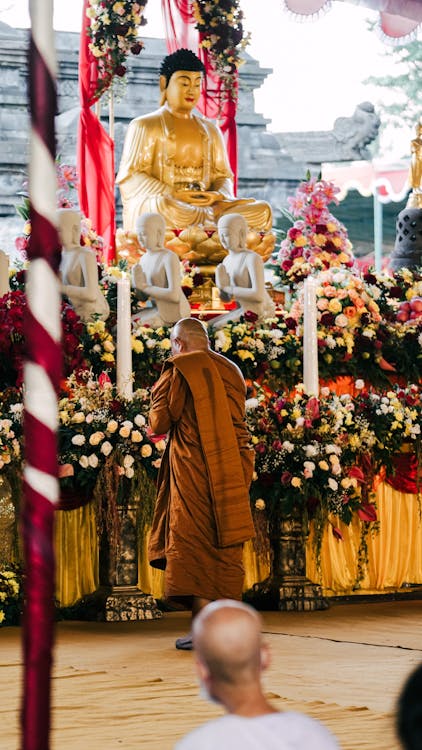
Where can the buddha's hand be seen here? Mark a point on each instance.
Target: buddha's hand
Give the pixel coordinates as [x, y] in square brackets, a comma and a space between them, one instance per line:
[198, 197]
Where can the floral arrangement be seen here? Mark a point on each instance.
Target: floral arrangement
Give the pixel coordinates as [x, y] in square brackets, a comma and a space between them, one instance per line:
[399, 298]
[12, 340]
[319, 457]
[150, 347]
[349, 330]
[191, 277]
[11, 594]
[262, 351]
[306, 454]
[113, 30]
[96, 428]
[222, 35]
[317, 240]
[395, 417]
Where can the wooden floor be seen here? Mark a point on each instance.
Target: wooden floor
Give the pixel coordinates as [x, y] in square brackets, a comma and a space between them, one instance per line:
[123, 685]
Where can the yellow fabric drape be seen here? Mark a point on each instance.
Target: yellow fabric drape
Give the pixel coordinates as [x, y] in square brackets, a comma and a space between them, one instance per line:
[395, 553]
[76, 545]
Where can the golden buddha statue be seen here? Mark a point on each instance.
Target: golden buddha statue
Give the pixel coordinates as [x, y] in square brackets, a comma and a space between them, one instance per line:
[415, 174]
[175, 163]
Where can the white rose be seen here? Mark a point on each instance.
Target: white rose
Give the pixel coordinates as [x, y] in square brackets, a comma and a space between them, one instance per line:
[93, 461]
[106, 448]
[112, 426]
[129, 472]
[333, 485]
[160, 445]
[83, 461]
[78, 417]
[127, 423]
[136, 436]
[124, 432]
[78, 439]
[128, 461]
[89, 418]
[139, 420]
[146, 450]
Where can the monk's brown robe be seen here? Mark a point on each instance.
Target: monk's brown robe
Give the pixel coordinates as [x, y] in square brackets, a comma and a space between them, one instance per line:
[202, 515]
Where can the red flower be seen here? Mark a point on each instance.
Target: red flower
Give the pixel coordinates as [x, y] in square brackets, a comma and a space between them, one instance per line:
[367, 512]
[250, 316]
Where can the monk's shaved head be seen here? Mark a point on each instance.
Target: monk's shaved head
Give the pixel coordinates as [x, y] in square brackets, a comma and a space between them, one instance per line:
[192, 334]
[227, 640]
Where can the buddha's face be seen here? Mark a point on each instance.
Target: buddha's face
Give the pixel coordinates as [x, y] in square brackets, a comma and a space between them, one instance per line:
[183, 91]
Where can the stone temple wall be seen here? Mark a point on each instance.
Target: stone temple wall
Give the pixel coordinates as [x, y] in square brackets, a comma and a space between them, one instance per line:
[265, 169]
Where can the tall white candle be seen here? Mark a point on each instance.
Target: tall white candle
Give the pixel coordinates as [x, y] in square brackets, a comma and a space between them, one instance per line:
[124, 344]
[310, 338]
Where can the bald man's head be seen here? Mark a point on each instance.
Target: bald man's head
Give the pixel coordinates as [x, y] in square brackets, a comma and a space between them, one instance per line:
[189, 335]
[227, 640]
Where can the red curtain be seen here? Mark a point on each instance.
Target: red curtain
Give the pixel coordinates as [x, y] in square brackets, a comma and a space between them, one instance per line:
[95, 157]
[180, 32]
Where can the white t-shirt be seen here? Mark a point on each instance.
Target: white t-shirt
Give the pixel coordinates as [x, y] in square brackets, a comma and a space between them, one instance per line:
[277, 731]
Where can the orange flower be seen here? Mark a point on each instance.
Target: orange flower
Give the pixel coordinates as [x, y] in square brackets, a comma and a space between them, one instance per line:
[350, 311]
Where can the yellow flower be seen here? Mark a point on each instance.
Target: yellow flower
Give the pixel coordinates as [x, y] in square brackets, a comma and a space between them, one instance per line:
[109, 346]
[323, 465]
[296, 482]
[320, 240]
[244, 354]
[137, 346]
[165, 344]
[331, 227]
[117, 7]
[337, 241]
[146, 450]
[124, 432]
[136, 436]
[107, 357]
[2, 616]
[334, 305]
[260, 504]
[300, 241]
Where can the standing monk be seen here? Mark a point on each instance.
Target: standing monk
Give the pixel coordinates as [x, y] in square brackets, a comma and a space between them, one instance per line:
[202, 515]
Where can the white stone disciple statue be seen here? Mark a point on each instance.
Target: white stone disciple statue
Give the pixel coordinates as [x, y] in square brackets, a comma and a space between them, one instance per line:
[156, 276]
[241, 274]
[4, 273]
[78, 270]
[175, 162]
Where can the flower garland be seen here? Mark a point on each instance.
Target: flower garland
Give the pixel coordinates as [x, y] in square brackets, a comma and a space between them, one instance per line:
[219, 23]
[113, 28]
[317, 240]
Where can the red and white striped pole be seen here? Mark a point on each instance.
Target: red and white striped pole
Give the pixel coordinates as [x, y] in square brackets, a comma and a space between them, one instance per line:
[42, 378]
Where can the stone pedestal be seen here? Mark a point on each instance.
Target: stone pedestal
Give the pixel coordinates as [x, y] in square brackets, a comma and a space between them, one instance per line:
[119, 598]
[287, 588]
[407, 251]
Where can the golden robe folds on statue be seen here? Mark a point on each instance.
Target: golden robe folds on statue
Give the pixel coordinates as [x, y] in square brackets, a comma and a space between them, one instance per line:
[153, 165]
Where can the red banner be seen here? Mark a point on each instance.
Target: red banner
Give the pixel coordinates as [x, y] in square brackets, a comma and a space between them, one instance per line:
[95, 152]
